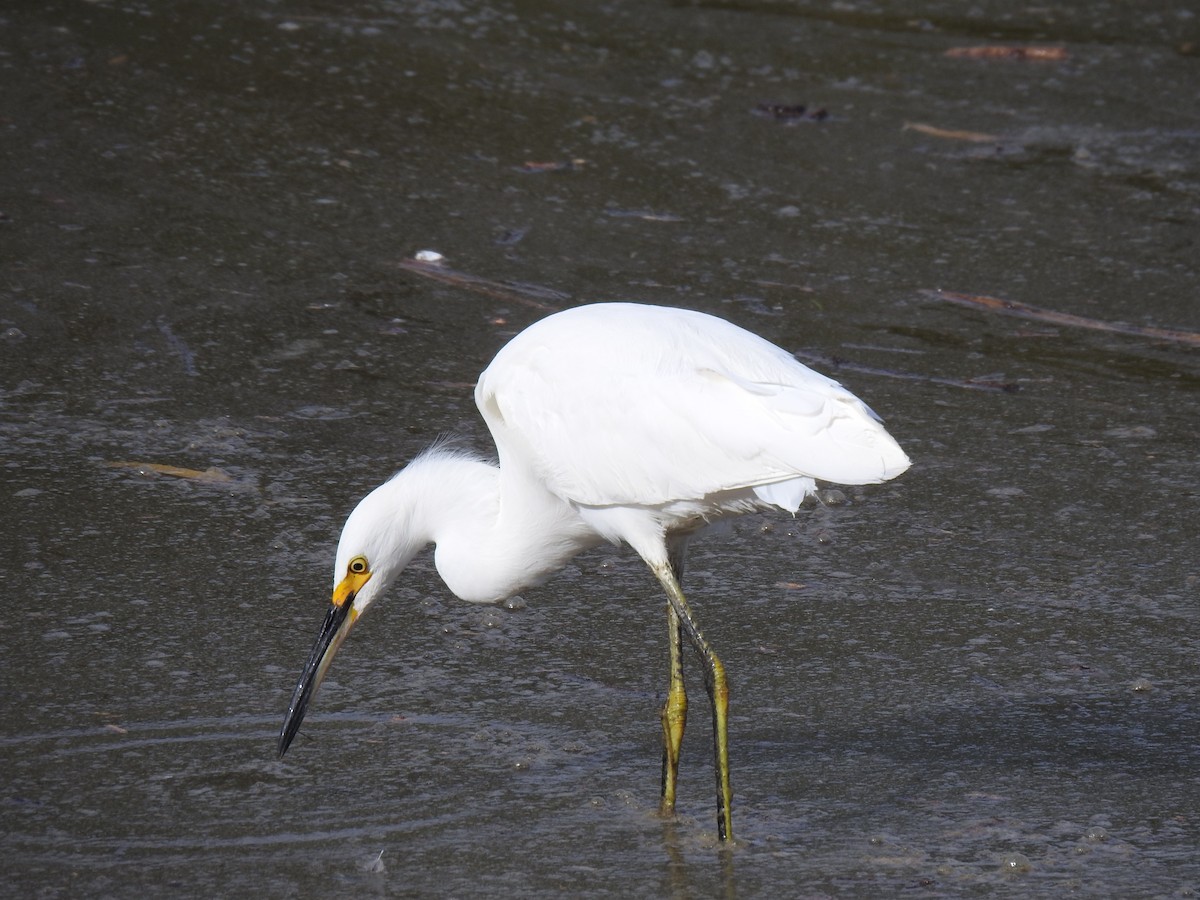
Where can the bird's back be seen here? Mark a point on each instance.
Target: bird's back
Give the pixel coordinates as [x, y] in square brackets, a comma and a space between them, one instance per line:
[620, 404]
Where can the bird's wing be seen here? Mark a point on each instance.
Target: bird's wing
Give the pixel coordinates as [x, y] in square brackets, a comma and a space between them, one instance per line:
[618, 404]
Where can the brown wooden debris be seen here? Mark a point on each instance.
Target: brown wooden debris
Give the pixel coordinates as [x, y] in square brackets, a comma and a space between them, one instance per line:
[1010, 52]
[949, 134]
[538, 168]
[1053, 317]
[211, 475]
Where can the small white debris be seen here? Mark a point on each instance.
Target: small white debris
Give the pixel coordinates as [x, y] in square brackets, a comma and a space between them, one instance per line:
[429, 256]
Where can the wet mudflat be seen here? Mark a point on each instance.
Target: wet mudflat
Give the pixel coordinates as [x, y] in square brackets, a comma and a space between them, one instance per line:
[978, 679]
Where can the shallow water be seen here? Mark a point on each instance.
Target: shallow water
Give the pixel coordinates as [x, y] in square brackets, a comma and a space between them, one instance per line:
[978, 679]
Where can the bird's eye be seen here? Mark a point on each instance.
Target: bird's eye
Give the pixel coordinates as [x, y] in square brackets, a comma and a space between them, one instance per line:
[358, 565]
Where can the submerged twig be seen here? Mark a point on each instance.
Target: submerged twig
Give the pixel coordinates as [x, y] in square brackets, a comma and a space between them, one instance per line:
[528, 294]
[1053, 317]
[989, 384]
[176, 343]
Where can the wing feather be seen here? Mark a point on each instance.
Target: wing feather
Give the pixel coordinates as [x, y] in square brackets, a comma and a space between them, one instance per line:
[625, 404]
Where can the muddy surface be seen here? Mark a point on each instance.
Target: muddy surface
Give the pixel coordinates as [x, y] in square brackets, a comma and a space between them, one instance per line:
[978, 679]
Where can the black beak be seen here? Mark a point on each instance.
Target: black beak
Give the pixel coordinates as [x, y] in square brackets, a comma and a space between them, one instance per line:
[333, 631]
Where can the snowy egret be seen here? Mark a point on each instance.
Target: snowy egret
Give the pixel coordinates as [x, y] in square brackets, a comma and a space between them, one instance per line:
[612, 422]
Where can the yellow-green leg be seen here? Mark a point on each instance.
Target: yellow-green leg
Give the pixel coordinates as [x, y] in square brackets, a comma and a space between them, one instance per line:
[674, 715]
[718, 693]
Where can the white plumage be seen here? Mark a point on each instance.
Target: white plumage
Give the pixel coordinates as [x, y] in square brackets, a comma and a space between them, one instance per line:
[619, 422]
[632, 405]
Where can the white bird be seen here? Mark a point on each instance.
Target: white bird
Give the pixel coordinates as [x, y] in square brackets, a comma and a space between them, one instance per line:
[612, 422]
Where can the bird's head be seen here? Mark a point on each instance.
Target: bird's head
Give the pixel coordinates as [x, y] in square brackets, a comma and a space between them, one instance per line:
[377, 543]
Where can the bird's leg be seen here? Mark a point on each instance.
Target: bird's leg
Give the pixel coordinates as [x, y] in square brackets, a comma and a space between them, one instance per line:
[674, 711]
[718, 694]
[674, 714]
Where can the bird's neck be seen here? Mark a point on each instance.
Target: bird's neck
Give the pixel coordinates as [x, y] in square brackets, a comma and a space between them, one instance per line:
[497, 533]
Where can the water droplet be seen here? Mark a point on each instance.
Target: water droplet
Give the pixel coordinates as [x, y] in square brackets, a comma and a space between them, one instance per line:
[832, 497]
